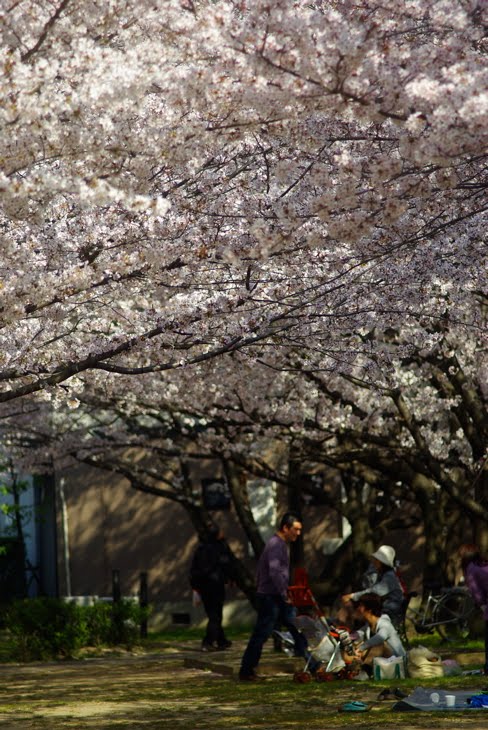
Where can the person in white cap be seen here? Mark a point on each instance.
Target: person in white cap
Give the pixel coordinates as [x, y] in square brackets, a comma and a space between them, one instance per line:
[387, 585]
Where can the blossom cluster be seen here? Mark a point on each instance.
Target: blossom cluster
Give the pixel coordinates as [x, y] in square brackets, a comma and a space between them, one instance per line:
[181, 180]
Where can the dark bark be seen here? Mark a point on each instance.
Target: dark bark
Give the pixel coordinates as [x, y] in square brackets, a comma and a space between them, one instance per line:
[334, 577]
[238, 488]
[294, 494]
[435, 559]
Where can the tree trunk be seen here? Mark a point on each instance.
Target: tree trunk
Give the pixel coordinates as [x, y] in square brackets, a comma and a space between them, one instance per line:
[201, 519]
[237, 487]
[294, 498]
[435, 555]
[344, 569]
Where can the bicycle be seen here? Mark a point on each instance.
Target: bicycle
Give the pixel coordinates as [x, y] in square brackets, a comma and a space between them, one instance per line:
[447, 611]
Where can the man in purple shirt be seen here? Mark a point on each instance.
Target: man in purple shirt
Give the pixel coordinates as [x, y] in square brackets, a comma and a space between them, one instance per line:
[272, 599]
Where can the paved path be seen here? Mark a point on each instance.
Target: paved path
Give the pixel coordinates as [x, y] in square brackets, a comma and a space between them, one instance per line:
[167, 689]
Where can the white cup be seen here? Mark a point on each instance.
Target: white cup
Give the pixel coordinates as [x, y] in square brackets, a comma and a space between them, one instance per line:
[435, 697]
[450, 700]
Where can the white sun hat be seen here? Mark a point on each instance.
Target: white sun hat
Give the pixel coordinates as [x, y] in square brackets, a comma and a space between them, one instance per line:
[386, 555]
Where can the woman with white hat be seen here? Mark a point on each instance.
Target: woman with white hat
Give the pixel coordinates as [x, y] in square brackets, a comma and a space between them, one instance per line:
[387, 585]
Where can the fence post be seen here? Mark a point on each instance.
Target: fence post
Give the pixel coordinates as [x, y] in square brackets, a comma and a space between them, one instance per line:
[143, 602]
[116, 586]
[116, 600]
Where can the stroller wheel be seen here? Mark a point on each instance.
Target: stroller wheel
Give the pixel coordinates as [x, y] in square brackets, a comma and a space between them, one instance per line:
[322, 676]
[302, 677]
[347, 673]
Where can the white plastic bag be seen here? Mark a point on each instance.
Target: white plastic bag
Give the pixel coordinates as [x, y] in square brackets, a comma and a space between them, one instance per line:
[423, 663]
[392, 667]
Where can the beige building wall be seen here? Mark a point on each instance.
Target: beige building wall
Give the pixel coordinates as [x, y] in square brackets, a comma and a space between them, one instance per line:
[103, 525]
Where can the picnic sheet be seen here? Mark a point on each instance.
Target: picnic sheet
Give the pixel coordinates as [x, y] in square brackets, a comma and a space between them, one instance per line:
[420, 699]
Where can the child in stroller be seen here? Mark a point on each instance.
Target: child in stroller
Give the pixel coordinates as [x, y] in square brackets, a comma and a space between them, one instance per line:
[330, 649]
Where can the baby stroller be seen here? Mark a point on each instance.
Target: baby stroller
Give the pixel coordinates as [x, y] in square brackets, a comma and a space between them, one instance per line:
[327, 645]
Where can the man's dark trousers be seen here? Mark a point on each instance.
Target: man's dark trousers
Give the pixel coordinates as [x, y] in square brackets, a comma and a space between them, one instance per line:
[272, 609]
[213, 596]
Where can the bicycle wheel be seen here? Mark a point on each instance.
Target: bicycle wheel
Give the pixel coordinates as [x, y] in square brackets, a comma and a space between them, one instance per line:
[452, 615]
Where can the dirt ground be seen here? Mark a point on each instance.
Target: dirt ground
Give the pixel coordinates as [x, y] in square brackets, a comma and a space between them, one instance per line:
[179, 687]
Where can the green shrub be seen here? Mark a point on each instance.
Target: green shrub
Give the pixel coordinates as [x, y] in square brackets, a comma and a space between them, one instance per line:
[126, 620]
[99, 623]
[114, 623]
[45, 628]
[50, 628]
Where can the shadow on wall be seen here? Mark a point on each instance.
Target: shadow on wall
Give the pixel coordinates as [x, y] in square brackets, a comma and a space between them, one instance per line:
[110, 526]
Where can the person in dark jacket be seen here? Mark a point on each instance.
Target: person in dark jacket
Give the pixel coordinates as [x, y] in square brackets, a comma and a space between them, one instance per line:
[210, 571]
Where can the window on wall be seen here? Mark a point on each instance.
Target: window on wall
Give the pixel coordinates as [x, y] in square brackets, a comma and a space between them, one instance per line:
[215, 494]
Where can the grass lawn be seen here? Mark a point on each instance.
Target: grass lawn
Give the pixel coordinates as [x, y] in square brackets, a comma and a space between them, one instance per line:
[156, 686]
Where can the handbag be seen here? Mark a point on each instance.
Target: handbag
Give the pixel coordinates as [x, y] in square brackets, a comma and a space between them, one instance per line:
[392, 667]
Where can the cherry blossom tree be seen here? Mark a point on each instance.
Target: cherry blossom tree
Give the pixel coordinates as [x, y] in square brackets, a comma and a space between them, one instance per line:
[247, 222]
[408, 438]
[186, 179]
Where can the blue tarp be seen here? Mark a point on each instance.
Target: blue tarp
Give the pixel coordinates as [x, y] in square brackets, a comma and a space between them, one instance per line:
[421, 699]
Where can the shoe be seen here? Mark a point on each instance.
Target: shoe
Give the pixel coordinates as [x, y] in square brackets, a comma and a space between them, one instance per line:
[250, 677]
[224, 645]
[399, 694]
[209, 647]
[354, 706]
[391, 694]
